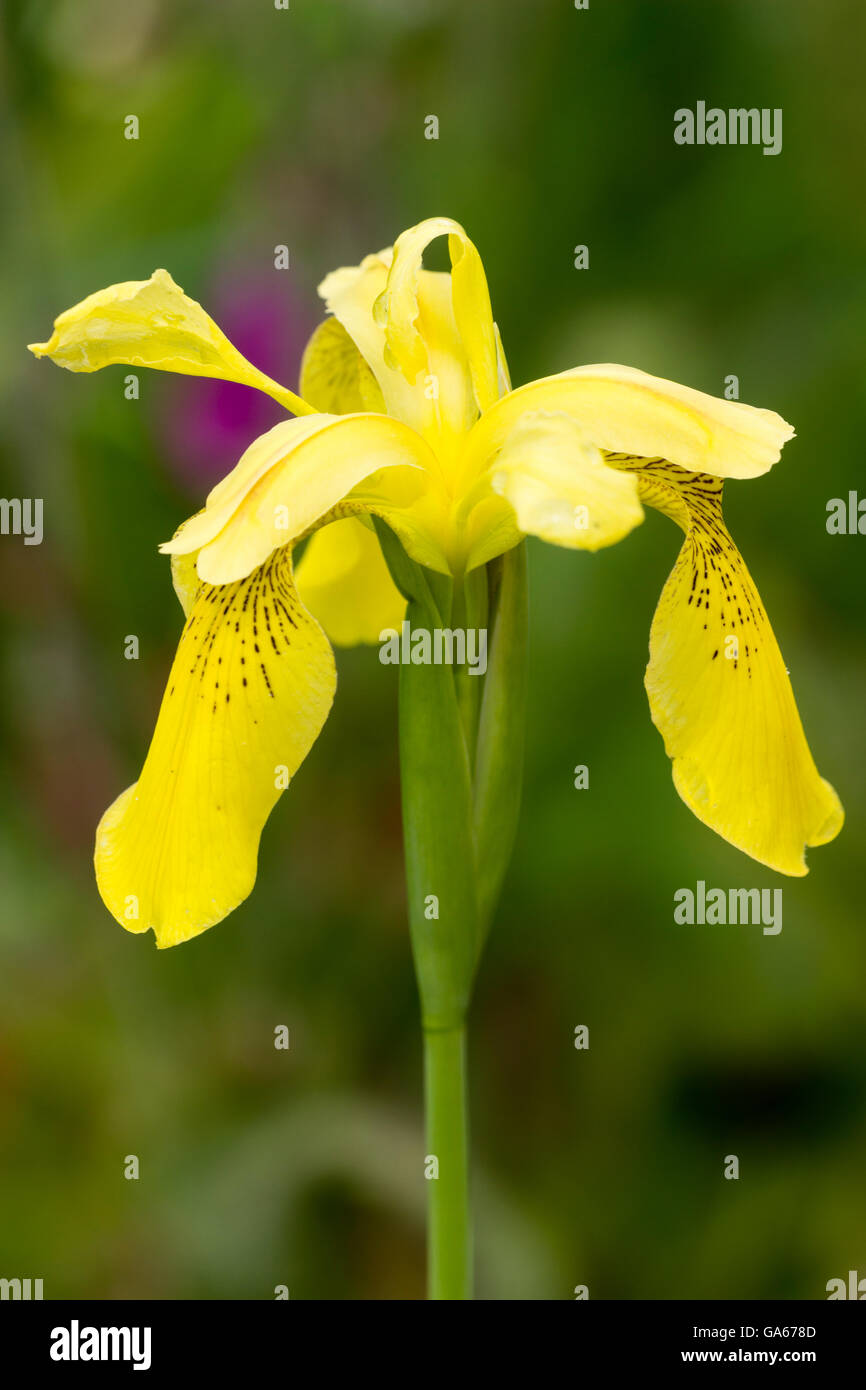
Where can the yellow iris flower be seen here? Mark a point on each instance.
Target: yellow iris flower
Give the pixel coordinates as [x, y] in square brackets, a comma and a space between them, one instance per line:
[406, 412]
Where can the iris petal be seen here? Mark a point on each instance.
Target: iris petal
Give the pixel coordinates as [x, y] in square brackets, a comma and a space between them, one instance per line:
[152, 323]
[625, 410]
[416, 333]
[401, 310]
[560, 487]
[334, 375]
[345, 583]
[719, 692]
[289, 480]
[250, 688]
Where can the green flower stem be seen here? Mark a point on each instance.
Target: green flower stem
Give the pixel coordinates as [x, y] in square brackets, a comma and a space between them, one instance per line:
[460, 806]
[449, 1254]
[443, 923]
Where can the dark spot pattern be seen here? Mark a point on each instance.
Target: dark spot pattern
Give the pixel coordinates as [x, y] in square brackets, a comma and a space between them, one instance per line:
[266, 602]
[720, 583]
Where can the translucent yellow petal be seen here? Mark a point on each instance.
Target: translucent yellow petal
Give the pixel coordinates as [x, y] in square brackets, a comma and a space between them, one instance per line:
[152, 323]
[624, 410]
[335, 377]
[421, 521]
[488, 526]
[262, 456]
[399, 308]
[560, 487]
[503, 374]
[719, 693]
[445, 380]
[350, 293]
[415, 509]
[288, 480]
[436, 396]
[185, 580]
[344, 582]
[249, 691]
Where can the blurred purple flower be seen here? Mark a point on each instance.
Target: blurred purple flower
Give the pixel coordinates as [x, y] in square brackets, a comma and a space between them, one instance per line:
[208, 424]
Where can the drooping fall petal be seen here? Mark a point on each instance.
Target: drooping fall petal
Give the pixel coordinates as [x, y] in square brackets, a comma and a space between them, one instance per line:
[719, 692]
[250, 688]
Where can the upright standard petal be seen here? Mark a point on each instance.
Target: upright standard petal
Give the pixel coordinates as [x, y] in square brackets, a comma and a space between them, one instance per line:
[627, 411]
[350, 294]
[719, 692]
[399, 308]
[289, 480]
[430, 384]
[152, 323]
[250, 688]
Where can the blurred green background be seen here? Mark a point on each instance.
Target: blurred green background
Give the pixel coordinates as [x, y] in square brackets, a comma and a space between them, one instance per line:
[258, 1167]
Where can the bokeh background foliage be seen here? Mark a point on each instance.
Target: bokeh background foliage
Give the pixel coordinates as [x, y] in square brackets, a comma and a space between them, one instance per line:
[259, 1167]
